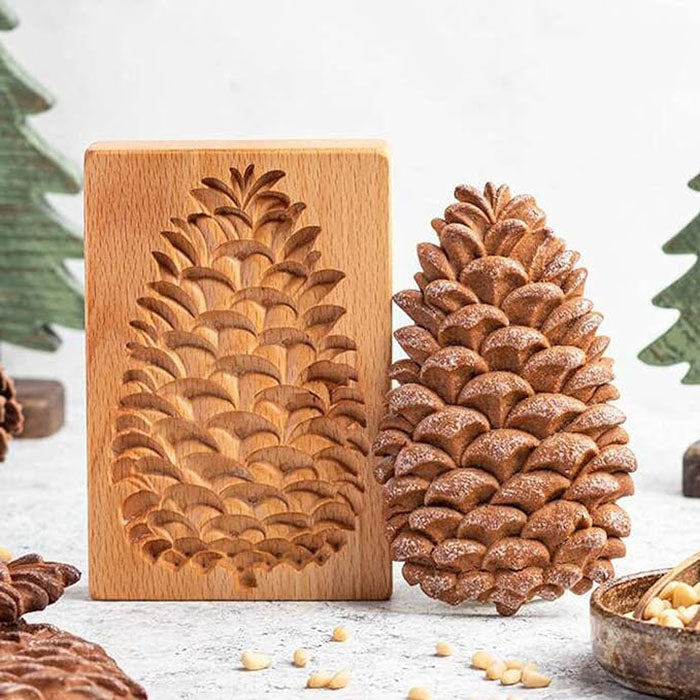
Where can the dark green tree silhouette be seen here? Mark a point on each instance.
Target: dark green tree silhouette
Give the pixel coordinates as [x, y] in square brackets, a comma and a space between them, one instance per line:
[681, 342]
[36, 288]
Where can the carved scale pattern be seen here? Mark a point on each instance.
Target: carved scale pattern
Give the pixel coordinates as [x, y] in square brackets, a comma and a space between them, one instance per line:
[501, 456]
[240, 435]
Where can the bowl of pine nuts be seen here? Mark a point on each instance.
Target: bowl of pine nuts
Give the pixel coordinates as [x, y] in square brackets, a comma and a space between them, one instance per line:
[657, 654]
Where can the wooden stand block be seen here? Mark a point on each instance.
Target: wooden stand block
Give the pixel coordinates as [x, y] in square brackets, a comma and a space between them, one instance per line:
[43, 406]
[691, 471]
[238, 334]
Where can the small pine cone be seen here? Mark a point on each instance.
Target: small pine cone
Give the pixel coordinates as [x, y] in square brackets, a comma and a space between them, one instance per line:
[11, 419]
[42, 662]
[501, 456]
[29, 583]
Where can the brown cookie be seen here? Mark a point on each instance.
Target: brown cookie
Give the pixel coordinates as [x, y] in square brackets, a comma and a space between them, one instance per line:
[42, 662]
[30, 583]
[11, 420]
[500, 454]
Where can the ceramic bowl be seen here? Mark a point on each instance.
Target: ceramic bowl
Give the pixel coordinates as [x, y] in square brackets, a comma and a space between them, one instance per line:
[661, 661]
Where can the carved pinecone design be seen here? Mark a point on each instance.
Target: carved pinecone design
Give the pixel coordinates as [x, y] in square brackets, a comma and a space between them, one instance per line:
[240, 437]
[11, 419]
[501, 456]
[29, 583]
[42, 662]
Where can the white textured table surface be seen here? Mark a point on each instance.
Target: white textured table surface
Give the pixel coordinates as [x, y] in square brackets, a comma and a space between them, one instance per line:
[191, 650]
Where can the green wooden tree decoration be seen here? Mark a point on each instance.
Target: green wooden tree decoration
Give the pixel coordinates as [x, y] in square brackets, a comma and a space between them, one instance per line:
[36, 288]
[681, 342]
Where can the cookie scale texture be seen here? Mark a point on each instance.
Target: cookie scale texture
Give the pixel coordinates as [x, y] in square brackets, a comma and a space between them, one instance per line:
[42, 662]
[501, 456]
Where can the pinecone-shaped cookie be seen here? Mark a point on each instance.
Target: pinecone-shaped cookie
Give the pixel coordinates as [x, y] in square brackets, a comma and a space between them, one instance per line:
[29, 583]
[42, 662]
[501, 456]
[11, 420]
[240, 438]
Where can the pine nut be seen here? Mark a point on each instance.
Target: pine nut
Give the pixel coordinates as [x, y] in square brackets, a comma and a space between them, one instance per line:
[482, 660]
[653, 609]
[511, 676]
[495, 670]
[529, 667]
[339, 680]
[512, 697]
[419, 693]
[669, 618]
[443, 649]
[667, 590]
[683, 594]
[514, 663]
[533, 679]
[253, 661]
[689, 613]
[301, 657]
[320, 679]
[340, 634]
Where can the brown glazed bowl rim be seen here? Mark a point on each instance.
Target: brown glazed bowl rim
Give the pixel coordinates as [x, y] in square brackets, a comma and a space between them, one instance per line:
[606, 612]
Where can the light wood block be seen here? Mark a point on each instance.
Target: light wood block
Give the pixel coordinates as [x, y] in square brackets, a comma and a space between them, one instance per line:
[237, 345]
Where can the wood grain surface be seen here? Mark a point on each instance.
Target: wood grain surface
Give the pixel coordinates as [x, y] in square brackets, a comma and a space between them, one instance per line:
[239, 331]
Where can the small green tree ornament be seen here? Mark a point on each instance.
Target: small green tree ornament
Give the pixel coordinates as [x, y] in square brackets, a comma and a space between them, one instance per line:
[36, 288]
[681, 342]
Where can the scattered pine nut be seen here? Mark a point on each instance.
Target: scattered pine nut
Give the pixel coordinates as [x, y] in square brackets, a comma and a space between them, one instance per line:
[482, 660]
[443, 649]
[495, 670]
[514, 663]
[252, 661]
[5, 555]
[419, 693]
[320, 679]
[533, 679]
[301, 657]
[340, 634]
[339, 680]
[511, 676]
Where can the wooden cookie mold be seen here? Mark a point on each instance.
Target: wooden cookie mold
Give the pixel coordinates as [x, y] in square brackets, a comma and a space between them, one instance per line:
[233, 386]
